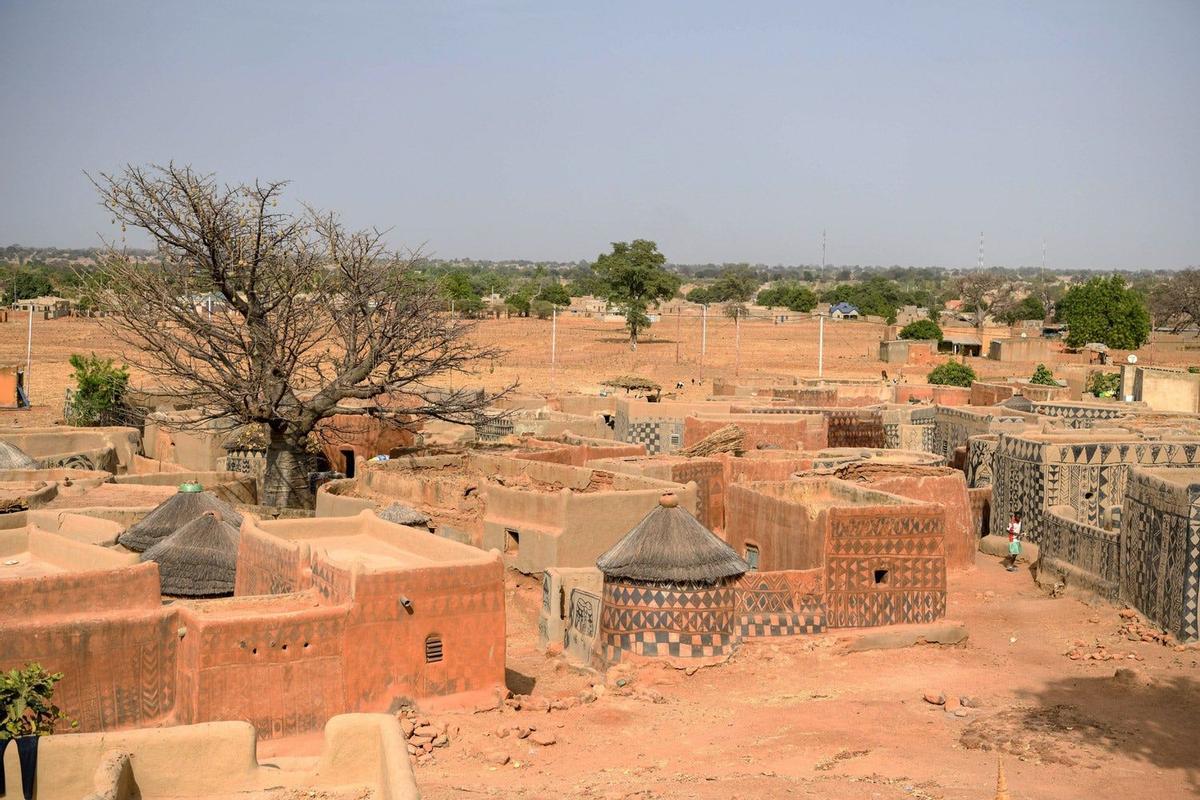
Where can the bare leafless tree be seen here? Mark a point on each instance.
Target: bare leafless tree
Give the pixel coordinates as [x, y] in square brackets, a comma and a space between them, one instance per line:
[280, 319]
[1176, 302]
[977, 289]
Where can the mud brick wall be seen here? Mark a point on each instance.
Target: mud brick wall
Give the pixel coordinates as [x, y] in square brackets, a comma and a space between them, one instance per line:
[119, 668]
[1088, 475]
[787, 538]
[807, 432]
[385, 661]
[1078, 416]
[948, 488]
[279, 668]
[270, 565]
[48, 596]
[782, 603]
[1085, 556]
[1160, 562]
[989, 394]
[885, 566]
[709, 476]
[845, 427]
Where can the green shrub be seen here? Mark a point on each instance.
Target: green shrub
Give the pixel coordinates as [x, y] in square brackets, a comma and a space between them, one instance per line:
[99, 389]
[26, 702]
[1043, 376]
[921, 329]
[1104, 384]
[952, 373]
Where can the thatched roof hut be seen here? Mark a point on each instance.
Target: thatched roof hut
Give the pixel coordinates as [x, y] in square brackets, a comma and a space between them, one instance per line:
[669, 545]
[189, 503]
[199, 559]
[13, 457]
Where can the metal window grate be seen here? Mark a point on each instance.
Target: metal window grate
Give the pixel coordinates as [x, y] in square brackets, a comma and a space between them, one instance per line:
[433, 649]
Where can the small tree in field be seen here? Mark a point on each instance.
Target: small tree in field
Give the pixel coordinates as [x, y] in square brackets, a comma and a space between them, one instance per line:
[952, 373]
[921, 329]
[634, 279]
[315, 321]
[99, 389]
[1042, 376]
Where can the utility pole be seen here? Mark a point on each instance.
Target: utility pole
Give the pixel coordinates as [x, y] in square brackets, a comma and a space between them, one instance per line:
[553, 346]
[29, 358]
[821, 347]
[703, 332]
[737, 341]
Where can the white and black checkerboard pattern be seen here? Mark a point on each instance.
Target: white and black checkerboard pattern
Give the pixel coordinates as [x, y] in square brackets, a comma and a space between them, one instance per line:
[658, 435]
[759, 626]
[669, 644]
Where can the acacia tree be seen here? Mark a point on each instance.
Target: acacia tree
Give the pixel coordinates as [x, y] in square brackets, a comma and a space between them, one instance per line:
[1176, 301]
[1105, 310]
[977, 288]
[312, 321]
[634, 278]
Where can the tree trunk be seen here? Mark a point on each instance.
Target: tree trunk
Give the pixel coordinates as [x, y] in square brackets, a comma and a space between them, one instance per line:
[633, 339]
[286, 480]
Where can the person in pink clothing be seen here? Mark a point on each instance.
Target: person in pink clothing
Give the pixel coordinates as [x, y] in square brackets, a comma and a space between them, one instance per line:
[1014, 542]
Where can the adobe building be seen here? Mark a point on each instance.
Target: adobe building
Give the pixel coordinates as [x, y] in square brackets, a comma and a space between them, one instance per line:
[881, 557]
[953, 427]
[539, 514]
[1073, 414]
[762, 431]
[908, 351]
[928, 484]
[1160, 548]
[217, 759]
[329, 616]
[707, 473]
[907, 427]
[845, 427]
[932, 393]
[1082, 471]
[1161, 388]
[658, 426]
[110, 449]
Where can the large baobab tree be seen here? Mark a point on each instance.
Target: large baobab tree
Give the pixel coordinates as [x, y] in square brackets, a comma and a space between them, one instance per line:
[310, 321]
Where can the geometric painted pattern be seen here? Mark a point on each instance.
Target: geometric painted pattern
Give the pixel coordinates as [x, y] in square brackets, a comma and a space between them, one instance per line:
[681, 620]
[885, 566]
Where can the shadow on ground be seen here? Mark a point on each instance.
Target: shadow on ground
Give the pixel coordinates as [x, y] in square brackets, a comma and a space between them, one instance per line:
[519, 683]
[1086, 720]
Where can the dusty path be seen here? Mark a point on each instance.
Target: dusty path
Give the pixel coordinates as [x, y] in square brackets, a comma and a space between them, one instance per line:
[798, 718]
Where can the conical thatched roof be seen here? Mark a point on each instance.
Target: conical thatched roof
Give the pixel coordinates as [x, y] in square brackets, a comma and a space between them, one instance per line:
[402, 515]
[670, 545]
[199, 559]
[13, 457]
[172, 514]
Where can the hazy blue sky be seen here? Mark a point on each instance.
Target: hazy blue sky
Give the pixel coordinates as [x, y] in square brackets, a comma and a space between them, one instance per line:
[726, 132]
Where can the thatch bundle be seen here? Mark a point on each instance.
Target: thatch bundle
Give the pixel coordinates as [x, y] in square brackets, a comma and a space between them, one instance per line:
[634, 383]
[186, 505]
[13, 457]
[403, 515]
[669, 545]
[199, 559]
[729, 439]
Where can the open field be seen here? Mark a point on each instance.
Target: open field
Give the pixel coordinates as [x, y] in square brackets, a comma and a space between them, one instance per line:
[588, 351]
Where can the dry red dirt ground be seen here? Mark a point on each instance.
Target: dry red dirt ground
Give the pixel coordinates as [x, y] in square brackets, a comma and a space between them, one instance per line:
[802, 718]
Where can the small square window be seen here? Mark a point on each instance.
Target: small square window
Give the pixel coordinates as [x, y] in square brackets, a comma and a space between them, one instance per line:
[881, 577]
[752, 556]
